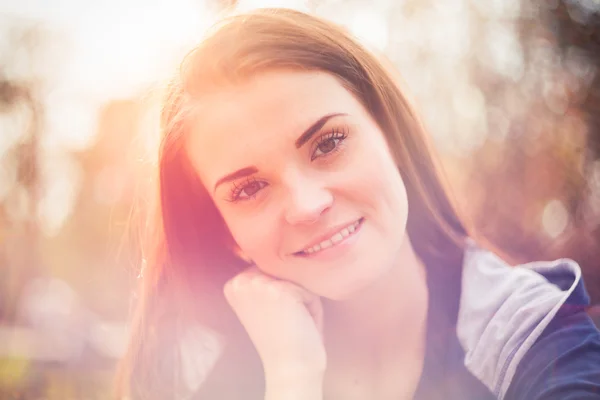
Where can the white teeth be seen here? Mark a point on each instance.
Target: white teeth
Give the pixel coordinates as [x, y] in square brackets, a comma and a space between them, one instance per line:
[325, 244]
[338, 237]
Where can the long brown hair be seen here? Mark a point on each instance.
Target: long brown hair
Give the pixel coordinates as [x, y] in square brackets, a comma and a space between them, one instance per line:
[192, 253]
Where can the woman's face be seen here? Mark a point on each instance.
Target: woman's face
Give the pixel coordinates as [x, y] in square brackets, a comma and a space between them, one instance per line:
[303, 178]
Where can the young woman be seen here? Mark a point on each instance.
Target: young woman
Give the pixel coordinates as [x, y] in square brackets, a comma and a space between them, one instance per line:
[306, 248]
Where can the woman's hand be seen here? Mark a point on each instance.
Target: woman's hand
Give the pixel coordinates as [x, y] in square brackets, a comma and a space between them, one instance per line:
[284, 321]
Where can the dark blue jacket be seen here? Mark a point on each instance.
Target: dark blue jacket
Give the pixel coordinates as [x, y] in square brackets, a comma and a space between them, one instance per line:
[501, 332]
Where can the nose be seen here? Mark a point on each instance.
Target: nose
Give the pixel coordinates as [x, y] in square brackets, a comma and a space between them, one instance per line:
[308, 198]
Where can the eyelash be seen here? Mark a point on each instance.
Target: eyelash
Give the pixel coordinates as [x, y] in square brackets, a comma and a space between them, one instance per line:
[237, 190]
[338, 135]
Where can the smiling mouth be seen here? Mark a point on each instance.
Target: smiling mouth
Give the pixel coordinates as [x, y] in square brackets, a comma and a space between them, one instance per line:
[334, 240]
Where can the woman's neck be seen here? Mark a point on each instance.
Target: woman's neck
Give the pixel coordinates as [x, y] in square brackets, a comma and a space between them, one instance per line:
[391, 312]
[376, 340]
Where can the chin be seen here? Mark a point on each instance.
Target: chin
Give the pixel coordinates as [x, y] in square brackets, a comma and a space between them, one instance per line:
[368, 272]
[344, 290]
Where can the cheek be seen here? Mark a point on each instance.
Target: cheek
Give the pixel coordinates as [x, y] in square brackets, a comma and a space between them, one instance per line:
[256, 236]
[379, 178]
[382, 188]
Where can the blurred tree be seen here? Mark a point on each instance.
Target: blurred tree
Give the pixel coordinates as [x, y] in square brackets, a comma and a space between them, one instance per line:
[21, 114]
[577, 27]
[536, 191]
[576, 30]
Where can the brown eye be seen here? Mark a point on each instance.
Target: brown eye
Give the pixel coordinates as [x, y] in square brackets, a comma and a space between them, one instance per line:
[252, 188]
[247, 190]
[326, 146]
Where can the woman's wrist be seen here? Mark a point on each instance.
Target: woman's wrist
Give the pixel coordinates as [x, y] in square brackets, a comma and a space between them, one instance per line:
[294, 382]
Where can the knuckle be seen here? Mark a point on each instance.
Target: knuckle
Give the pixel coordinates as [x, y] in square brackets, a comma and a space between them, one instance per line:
[234, 285]
[228, 291]
[258, 281]
[274, 291]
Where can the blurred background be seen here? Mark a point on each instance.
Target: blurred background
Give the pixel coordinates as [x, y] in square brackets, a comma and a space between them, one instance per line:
[509, 89]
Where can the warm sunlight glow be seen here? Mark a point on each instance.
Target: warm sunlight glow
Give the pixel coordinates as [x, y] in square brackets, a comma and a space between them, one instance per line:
[245, 5]
[118, 54]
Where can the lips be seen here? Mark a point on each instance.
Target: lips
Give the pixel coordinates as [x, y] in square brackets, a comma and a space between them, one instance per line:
[332, 239]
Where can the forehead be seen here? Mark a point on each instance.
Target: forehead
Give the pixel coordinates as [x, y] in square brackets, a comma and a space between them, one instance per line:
[260, 118]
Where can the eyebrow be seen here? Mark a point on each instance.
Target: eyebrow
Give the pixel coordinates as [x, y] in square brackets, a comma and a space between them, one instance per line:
[240, 173]
[314, 128]
[305, 137]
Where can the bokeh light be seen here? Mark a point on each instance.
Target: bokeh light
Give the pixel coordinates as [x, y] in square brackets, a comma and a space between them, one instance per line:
[509, 91]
